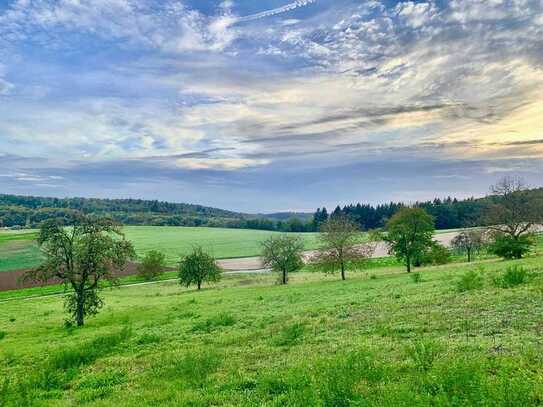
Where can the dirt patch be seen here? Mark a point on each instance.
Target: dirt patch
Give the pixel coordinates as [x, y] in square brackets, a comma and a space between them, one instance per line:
[14, 280]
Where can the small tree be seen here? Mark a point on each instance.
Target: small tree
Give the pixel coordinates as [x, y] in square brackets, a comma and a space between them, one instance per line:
[153, 265]
[469, 242]
[409, 233]
[341, 247]
[283, 254]
[512, 216]
[82, 256]
[197, 268]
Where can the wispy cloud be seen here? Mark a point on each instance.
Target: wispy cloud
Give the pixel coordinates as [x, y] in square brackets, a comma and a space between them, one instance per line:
[192, 90]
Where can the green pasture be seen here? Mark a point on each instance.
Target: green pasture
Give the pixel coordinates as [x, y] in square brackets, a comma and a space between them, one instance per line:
[18, 249]
[382, 338]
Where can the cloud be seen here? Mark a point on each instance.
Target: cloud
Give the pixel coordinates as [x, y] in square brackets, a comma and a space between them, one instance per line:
[175, 28]
[186, 89]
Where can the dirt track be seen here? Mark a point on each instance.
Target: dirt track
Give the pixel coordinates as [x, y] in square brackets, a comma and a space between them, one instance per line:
[254, 263]
[12, 280]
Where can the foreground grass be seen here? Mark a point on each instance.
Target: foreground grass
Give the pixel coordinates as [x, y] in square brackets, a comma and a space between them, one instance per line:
[379, 338]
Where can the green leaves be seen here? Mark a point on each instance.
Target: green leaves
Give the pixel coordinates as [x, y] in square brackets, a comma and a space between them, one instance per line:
[198, 267]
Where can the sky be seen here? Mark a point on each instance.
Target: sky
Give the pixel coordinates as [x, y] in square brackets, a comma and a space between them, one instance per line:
[269, 105]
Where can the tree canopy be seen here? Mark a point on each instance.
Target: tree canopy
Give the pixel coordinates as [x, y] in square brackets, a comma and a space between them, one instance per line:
[409, 233]
[342, 246]
[198, 267]
[283, 254]
[82, 256]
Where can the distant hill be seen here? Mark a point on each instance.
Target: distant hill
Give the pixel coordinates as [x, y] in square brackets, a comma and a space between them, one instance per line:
[30, 211]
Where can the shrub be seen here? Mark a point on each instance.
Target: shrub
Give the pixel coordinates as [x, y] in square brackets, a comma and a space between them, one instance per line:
[291, 334]
[152, 266]
[436, 254]
[513, 276]
[423, 353]
[471, 280]
[507, 247]
[2, 335]
[220, 320]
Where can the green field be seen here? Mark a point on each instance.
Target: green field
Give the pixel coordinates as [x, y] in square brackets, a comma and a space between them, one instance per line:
[378, 339]
[18, 249]
[222, 243]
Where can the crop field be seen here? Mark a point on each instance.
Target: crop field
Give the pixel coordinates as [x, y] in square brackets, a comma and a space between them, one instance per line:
[454, 335]
[18, 249]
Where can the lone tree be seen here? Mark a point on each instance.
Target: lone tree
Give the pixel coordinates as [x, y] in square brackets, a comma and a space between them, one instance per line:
[469, 242]
[153, 265]
[197, 268]
[82, 256]
[512, 216]
[283, 254]
[342, 247]
[409, 234]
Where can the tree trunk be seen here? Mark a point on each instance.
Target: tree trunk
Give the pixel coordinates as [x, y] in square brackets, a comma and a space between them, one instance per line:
[80, 310]
[408, 263]
[469, 256]
[343, 272]
[284, 277]
[199, 285]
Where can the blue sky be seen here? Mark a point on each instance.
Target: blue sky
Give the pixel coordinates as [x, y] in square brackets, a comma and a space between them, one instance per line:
[269, 105]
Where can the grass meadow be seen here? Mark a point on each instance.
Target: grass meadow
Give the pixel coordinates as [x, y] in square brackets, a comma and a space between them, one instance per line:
[18, 249]
[453, 335]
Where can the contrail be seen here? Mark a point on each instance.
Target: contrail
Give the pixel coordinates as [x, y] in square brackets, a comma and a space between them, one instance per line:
[280, 10]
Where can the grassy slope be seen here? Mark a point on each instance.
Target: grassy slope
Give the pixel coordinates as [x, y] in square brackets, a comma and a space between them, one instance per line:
[18, 250]
[382, 340]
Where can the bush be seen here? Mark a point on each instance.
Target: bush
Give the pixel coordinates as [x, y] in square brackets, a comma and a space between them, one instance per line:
[152, 266]
[423, 354]
[513, 276]
[508, 247]
[220, 320]
[436, 254]
[291, 334]
[2, 335]
[471, 280]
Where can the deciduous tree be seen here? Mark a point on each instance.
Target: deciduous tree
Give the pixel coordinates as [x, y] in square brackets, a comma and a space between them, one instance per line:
[152, 265]
[469, 241]
[342, 247]
[283, 254]
[512, 217]
[197, 268]
[409, 233]
[82, 256]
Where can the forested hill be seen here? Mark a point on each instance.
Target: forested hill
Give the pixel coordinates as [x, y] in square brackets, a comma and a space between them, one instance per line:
[31, 210]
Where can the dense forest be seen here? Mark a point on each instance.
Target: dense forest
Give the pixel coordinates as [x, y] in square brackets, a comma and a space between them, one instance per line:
[448, 213]
[28, 211]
